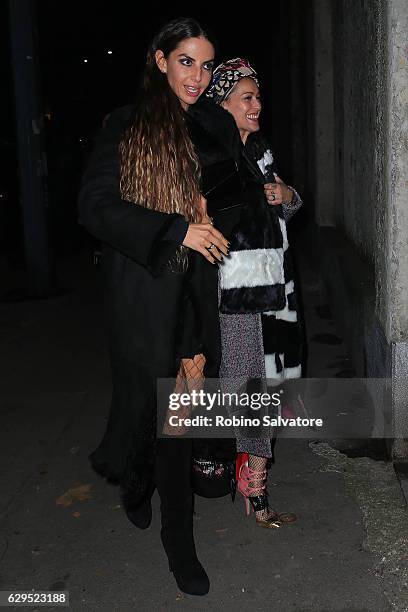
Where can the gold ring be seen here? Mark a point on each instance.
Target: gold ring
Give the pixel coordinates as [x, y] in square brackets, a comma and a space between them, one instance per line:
[210, 247]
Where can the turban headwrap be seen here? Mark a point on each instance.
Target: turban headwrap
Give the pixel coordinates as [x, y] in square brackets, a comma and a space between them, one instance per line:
[226, 75]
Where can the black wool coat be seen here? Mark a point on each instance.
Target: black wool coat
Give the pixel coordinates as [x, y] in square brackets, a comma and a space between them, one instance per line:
[155, 314]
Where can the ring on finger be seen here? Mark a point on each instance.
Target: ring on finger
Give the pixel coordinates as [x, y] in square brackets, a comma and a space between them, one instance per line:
[210, 247]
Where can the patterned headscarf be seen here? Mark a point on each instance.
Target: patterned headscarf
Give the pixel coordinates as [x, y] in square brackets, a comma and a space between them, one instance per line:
[226, 75]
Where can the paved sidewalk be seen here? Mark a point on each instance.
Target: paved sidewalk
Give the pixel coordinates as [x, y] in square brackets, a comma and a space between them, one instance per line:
[346, 552]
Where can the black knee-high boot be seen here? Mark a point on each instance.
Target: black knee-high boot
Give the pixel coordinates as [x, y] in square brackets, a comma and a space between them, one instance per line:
[173, 481]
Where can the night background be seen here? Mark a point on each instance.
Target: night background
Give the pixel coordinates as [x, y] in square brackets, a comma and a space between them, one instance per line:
[334, 84]
[91, 56]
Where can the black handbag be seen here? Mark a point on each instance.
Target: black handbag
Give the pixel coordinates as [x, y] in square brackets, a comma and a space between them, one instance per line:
[222, 186]
[212, 478]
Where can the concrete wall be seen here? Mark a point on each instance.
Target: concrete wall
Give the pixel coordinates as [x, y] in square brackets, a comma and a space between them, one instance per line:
[367, 273]
[397, 158]
[371, 114]
[396, 315]
[360, 125]
[353, 156]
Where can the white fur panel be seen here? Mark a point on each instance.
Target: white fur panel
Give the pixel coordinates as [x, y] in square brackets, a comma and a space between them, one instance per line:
[285, 373]
[252, 268]
[295, 372]
[270, 367]
[285, 314]
[266, 160]
[282, 223]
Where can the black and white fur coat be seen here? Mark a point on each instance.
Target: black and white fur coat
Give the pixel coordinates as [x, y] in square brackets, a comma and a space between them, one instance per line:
[258, 275]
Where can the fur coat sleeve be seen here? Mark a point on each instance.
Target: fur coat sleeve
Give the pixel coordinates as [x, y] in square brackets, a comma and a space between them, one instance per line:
[137, 232]
[259, 150]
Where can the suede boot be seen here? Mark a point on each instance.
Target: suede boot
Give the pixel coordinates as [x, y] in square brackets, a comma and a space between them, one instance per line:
[173, 480]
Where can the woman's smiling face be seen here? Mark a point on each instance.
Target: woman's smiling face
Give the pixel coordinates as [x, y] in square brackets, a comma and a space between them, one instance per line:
[244, 104]
[188, 68]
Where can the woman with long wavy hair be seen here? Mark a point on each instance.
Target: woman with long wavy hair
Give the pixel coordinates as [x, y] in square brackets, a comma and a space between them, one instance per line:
[141, 197]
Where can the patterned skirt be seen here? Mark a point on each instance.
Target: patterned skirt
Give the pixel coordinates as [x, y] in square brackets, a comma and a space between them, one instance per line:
[260, 346]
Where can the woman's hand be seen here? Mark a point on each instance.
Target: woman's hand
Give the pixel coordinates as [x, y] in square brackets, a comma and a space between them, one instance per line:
[208, 241]
[277, 193]
[202, 207]
[204, 238]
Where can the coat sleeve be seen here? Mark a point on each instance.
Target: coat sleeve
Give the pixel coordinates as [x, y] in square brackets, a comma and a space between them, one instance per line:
[270, 171]
[147, 236]
[290, 208]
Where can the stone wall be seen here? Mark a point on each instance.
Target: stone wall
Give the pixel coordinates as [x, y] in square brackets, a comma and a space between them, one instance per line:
[397, 158]
[370, 200]
[360, 125]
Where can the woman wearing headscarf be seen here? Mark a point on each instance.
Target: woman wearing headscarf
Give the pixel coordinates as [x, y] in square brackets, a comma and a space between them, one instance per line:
[259, 316]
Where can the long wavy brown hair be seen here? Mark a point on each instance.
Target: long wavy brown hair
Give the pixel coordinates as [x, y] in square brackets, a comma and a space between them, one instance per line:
[159, 167]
